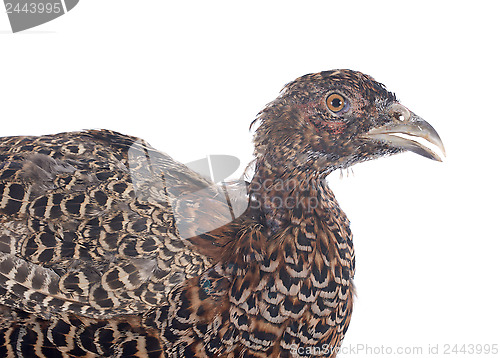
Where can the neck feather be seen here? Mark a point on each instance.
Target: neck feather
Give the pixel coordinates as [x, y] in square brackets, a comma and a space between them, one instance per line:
[283, 195]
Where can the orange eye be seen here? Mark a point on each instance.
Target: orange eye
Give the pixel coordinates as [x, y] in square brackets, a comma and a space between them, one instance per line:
[335, 102]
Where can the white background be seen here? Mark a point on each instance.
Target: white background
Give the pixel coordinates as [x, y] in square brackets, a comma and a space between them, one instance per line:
[190, 76]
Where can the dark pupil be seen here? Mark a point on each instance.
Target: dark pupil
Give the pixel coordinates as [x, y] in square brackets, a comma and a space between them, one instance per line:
[336, 102]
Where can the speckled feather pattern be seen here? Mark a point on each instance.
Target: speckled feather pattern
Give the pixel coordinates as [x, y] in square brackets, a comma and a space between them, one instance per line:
[92, 262]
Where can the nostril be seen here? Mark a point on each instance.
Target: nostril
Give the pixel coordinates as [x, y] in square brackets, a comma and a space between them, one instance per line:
[399, 112]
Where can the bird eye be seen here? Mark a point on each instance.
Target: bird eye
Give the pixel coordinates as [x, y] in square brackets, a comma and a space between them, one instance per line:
[335, 102]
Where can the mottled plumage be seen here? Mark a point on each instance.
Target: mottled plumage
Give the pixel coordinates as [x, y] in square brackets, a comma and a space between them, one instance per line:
[94, 263]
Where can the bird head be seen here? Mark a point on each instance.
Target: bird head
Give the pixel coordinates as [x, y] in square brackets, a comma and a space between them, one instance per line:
[334, 119]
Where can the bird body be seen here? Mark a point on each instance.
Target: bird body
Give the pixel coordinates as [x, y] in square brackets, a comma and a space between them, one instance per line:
[109, 248]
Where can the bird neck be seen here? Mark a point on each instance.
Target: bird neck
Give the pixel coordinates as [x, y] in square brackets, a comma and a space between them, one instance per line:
[283, 195]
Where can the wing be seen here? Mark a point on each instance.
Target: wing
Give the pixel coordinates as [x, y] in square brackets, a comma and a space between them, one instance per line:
[89, 224]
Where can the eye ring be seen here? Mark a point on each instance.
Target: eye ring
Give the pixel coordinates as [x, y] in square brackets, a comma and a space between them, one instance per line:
[335, 102]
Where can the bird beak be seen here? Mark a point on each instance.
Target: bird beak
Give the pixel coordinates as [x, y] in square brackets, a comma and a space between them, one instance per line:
[407, 123]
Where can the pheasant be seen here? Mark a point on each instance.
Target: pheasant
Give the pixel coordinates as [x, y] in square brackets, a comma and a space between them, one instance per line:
[110, 248]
